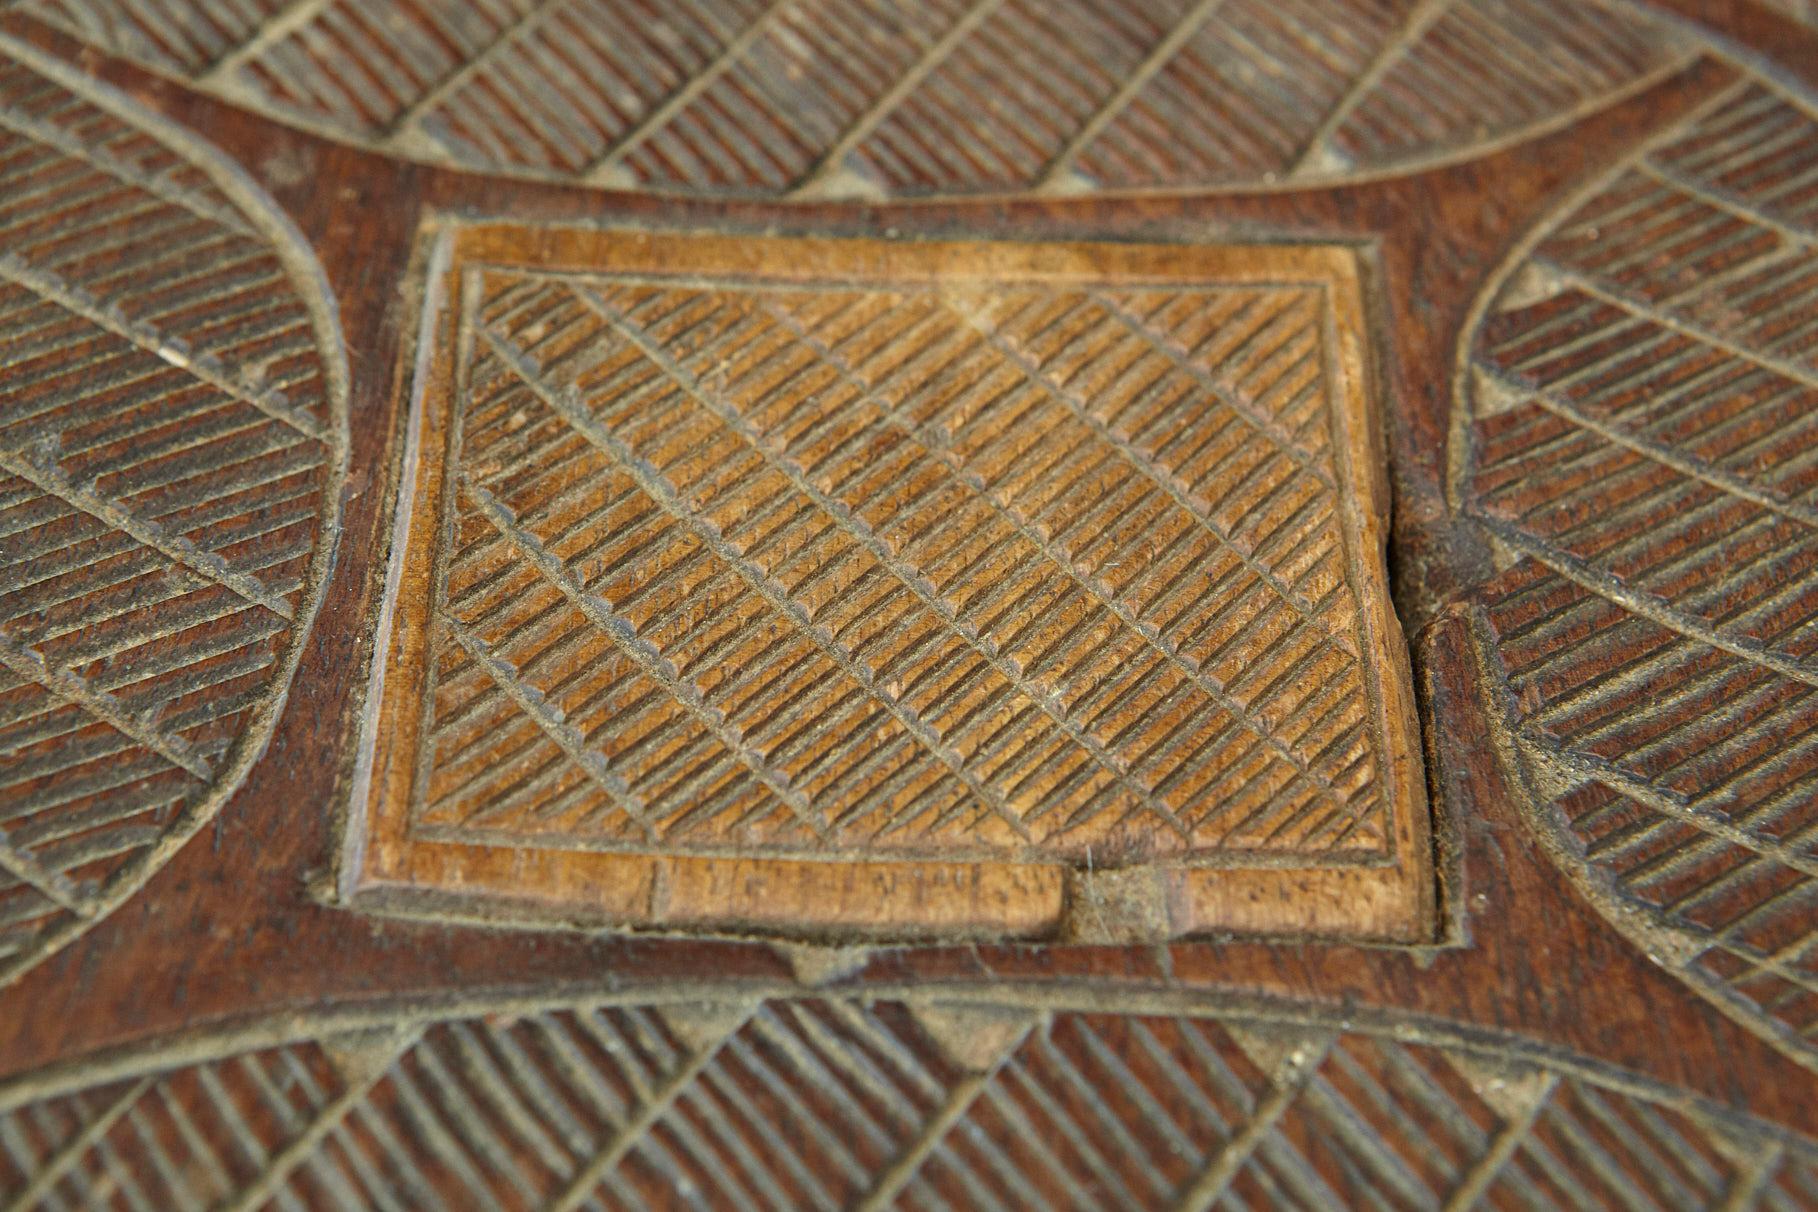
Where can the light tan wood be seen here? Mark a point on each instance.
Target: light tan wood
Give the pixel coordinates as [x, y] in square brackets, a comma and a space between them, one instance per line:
[972, 588]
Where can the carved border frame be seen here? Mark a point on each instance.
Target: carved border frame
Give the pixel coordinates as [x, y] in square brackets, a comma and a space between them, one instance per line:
[385, 869]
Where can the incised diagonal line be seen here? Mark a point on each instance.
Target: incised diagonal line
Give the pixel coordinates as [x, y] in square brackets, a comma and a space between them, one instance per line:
[855, 133]
[1419, 19]
[620, 631]
[1640, 309]
[71, 1152]
[52, 884]
[103, 706]
[271, 31]
[566, 736]
[1158, 57]
[1785, 962]
[326, 1120]
[1719, 200]
[1747, 1191]
[92, 155]
[1805, 981]
[863, 534]
[694, 86]
[206, 564]
[465, 70]
[1264, 424]
[1715, 477]
[1478, 1179]
[1646, 605]
[1155, 475]
[904, 1168]
[633, 1131]
[664, 494]
[75, 300]
[1101, 596]
[1287, 1082]
[1705, 821]
[1367, 1140]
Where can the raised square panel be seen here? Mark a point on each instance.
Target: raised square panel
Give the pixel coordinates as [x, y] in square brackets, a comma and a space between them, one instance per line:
[877, 589]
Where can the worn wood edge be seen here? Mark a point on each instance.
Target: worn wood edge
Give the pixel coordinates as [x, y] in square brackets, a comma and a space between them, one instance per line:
[1546, 826]
[428, 263]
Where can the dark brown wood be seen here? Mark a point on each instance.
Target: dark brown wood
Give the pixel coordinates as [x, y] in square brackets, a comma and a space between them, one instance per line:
[1619, 953]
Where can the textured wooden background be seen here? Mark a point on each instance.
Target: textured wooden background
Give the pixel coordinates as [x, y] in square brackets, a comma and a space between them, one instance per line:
[1587, 235]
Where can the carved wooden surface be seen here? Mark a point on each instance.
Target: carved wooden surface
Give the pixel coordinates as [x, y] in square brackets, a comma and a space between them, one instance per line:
[840, 1103]
[686, 298]
[170, 450]
[808, 585]
[1645, 452]
[897, 97]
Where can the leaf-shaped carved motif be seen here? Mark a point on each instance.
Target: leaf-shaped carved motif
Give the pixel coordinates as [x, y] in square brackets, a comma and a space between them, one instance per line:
[1644, 451]
[901, 97]
[831, 1104]
[170, 450]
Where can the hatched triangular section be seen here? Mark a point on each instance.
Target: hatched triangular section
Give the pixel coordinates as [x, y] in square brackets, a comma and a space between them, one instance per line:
[42, 1144]
[1382, 1123]
[186, 38]
[804, 1107]
[167, 453]
[786, 569]
[799, 1105]
[1011, 99]
[1101, 1111]
[1653, 461]
[1368, 1121]
[1592, 1147]
[501, 1112]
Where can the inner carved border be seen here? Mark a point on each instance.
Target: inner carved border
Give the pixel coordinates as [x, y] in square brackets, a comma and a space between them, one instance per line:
[857, 588]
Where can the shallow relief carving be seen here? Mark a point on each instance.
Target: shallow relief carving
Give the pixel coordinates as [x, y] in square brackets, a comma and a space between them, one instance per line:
[894, 590]
[172, 444]
[890, 1101]
[882, 98]
[1641, 416]
[542, 1101]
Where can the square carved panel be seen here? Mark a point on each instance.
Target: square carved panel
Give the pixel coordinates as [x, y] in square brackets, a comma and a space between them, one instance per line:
[872, 589]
